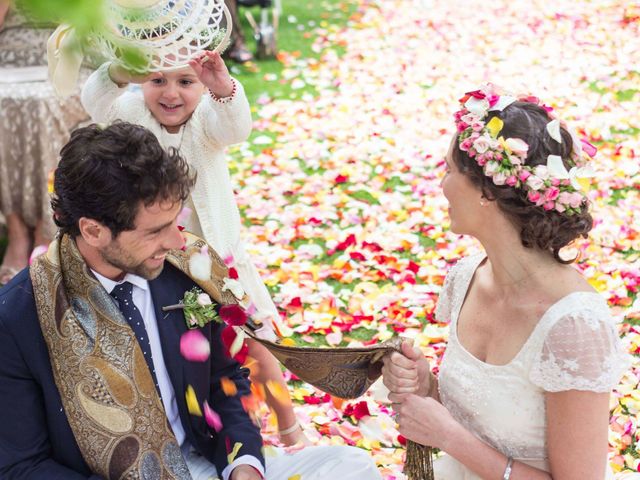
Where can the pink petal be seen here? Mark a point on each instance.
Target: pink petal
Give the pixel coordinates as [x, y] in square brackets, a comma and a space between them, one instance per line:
[212, 418]
[194, 346]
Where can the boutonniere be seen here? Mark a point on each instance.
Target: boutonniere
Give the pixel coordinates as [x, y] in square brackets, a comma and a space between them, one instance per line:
[197, 307]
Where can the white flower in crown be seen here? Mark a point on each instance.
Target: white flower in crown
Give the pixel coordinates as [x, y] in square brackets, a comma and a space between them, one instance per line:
[577, 175]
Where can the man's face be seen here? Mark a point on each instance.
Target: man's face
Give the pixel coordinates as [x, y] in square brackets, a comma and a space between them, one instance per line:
[142, 251]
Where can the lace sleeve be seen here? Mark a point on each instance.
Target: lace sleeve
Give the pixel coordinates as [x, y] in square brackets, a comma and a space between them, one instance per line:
[581, 351]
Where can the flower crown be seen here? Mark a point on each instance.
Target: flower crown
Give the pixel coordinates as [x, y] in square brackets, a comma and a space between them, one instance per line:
[549, 186]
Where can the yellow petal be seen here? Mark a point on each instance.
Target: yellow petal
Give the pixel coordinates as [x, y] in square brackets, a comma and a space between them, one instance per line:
[584, 183]
[495, 126]
[192, 402]
[232, 456]
[297, 476]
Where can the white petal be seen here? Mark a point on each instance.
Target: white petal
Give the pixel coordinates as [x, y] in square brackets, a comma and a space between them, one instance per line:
[556, 167]
[502, 103]
[200, 266]
[553, 127]
[477, 106]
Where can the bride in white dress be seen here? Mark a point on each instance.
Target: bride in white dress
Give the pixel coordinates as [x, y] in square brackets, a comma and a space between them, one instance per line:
[523, 388]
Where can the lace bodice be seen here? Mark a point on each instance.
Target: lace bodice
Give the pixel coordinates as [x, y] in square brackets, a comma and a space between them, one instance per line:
[574, 346]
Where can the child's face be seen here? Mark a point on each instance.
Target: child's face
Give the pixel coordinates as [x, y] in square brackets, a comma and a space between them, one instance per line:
[173, 96]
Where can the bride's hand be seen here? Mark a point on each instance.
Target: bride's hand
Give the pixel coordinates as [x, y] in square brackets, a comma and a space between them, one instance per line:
[425, 421]
[406, 372]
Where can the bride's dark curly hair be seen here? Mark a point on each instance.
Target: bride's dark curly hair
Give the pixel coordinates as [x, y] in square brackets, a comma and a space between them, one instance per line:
[544, 229]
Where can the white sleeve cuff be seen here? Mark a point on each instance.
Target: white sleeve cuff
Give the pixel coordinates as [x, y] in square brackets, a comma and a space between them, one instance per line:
[243, 460]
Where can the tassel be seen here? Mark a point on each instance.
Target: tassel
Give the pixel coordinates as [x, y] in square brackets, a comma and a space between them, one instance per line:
[419, 464]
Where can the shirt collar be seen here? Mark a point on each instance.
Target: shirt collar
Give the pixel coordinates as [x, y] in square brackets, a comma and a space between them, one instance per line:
[109, 284]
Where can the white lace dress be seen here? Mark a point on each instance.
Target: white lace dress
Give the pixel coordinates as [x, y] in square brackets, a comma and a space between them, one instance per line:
[574, 346]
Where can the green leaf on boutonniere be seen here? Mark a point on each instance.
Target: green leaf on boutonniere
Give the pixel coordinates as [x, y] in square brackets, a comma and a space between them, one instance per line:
[198, 308]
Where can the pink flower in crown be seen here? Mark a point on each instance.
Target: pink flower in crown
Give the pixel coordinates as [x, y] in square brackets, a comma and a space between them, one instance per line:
[462, 127]
[564, 198]
[481, 160]
[575, 199]
[482, 144]
[470, 118]
[548, 206]
[491, 168]
[477, 126]
[465, 145]
[551, 193]
[534, 196]
[523, 175]
[489, 155]
[500, 178]
[560, 207]
[517, 146]
[479, 94]
[555, 182]
[512, 181]
[534, 182]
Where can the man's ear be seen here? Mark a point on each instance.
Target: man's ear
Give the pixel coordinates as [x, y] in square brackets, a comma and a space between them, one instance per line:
[94, 233]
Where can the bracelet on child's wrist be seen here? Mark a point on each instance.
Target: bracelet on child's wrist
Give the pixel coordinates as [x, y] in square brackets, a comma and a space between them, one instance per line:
[226, 99]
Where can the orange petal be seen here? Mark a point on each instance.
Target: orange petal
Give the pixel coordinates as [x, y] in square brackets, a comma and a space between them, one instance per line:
[228, 387]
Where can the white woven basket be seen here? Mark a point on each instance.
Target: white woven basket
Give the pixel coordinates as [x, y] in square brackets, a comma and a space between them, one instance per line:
[168, 33]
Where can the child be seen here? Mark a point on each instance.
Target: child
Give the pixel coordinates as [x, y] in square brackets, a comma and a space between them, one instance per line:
[199, 110]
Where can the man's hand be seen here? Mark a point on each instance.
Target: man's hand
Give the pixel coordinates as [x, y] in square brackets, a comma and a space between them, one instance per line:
[245, 472]
[213, 73]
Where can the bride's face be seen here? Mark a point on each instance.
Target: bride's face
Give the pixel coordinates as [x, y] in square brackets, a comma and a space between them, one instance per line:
[465, 209]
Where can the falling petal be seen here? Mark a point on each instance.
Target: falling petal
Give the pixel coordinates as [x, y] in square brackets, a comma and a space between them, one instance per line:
[212, 418]
[194, 346]
[279, 392]
[192, 402]
[228, 387]
[232, 456]
[200, 266]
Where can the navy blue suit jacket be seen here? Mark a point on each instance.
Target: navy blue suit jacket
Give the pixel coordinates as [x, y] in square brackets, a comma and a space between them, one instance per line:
[36, 441]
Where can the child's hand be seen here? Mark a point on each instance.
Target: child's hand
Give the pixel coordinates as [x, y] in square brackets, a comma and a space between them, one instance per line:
[213, 73]
[122, 76]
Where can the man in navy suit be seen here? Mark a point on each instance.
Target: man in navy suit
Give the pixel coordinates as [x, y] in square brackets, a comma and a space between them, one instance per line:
[118, 196]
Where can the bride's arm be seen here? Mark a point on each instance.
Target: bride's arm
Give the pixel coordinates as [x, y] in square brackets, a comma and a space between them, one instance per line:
[577, 424]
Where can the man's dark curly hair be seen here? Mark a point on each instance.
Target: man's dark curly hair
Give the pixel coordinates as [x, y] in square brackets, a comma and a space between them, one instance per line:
[106, 174]
[546, 230]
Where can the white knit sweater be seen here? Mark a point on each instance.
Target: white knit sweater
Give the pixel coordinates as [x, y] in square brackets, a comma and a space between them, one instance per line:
[201, 140]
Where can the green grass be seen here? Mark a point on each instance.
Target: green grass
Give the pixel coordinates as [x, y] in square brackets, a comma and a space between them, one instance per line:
[295, 35]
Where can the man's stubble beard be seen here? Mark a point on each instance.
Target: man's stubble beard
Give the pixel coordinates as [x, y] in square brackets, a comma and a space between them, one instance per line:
[115, 256]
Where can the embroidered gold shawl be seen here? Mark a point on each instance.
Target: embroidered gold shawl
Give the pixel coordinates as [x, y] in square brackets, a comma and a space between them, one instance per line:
[107, 391]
